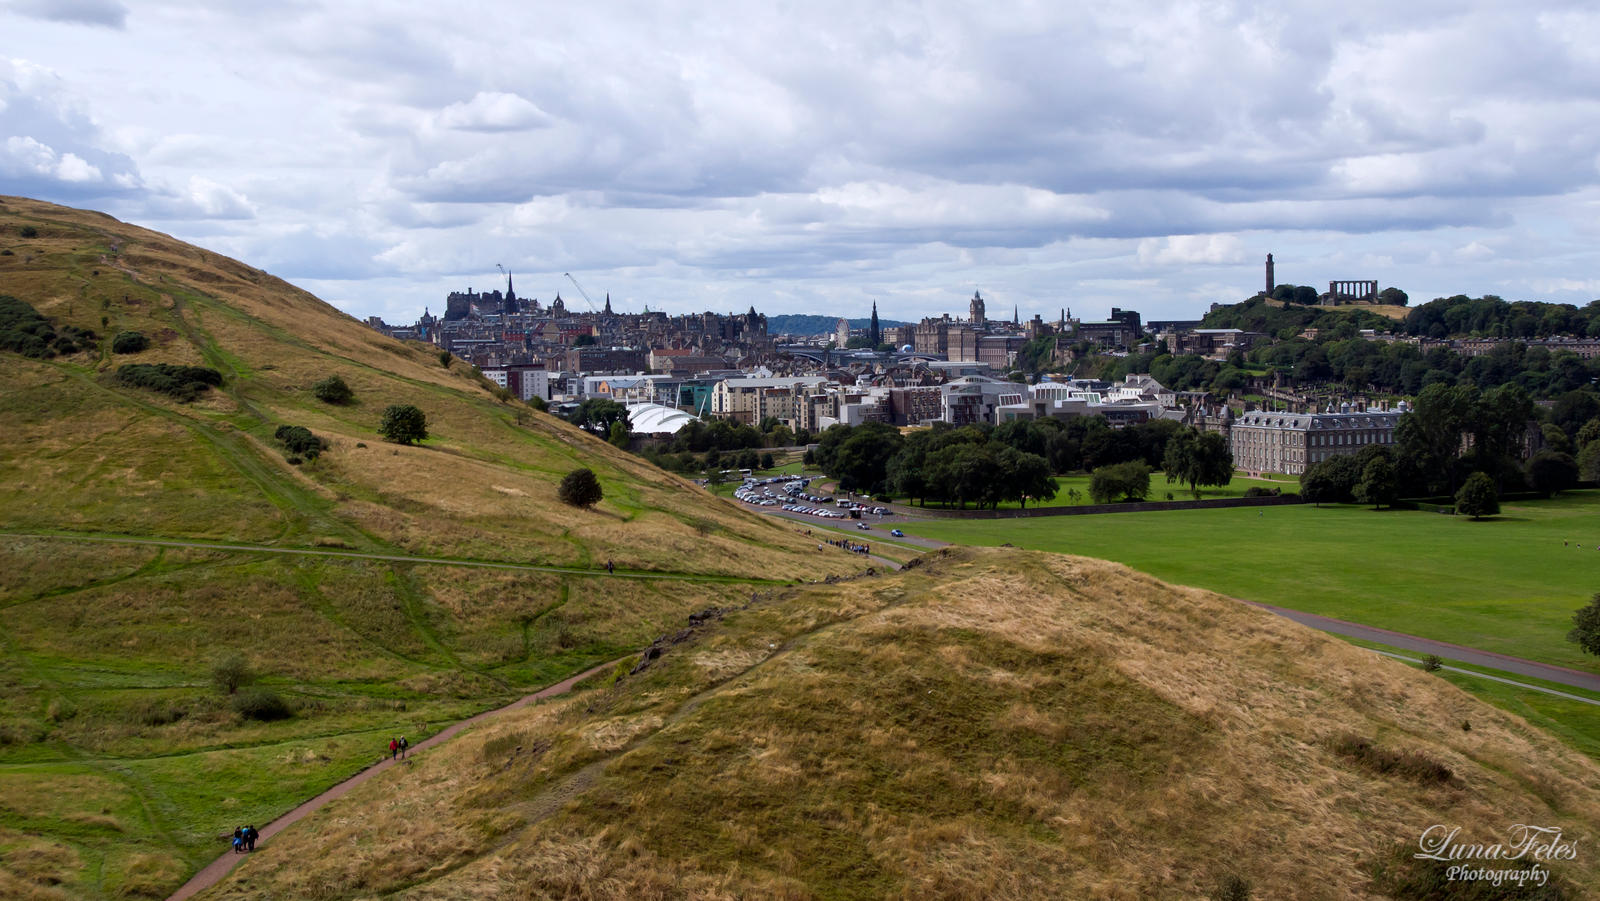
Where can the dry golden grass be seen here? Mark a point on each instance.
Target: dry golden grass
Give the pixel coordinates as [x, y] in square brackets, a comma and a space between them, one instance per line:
[31, 867]
[992, 724]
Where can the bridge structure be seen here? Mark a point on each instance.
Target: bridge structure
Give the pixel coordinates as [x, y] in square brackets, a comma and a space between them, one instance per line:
[840, 357]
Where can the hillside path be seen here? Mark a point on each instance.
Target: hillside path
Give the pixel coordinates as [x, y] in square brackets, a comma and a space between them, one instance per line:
[215, 871]
[396, 558]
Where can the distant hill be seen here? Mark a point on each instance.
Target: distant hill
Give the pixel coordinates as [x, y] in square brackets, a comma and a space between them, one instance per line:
[807, 324]
[1278, 319]
[987, 724]
[117, 756]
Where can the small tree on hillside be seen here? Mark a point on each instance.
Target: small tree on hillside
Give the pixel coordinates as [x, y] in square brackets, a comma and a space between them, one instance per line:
[1477, 497]
[129, 342]
[444, 358]
[403, 423]
[333, 390]
[1586, 627]
[579, 488]
[230, 673]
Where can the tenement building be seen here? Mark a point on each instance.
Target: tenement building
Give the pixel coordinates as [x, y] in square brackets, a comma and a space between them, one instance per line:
[1289, 442]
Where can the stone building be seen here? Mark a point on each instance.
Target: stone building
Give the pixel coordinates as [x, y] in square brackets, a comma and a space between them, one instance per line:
[1289, 442]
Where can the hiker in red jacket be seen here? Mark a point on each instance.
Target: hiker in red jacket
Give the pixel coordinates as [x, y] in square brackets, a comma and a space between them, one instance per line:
[394, 748]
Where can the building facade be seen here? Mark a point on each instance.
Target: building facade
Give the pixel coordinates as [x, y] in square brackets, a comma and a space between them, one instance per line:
[1289, 442]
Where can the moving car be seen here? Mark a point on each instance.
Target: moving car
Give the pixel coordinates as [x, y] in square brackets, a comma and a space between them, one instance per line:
[897, 533]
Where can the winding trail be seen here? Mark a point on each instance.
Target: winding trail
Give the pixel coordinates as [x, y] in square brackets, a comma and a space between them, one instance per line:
[395, 558]
[215, 871]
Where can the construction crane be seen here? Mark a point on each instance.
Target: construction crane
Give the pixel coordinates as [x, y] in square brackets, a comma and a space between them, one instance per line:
[585, 294]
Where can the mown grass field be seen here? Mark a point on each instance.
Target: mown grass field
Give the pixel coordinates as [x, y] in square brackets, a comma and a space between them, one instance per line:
[1509, 584]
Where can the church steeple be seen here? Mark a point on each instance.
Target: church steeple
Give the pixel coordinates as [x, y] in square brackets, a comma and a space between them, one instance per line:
[873, 334]
[608, 303]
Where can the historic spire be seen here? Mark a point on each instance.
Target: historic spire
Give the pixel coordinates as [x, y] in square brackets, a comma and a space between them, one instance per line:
[873, 335]
[608, 303]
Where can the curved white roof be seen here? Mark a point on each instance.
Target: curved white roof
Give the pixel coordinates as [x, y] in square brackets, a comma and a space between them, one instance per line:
[657, 419]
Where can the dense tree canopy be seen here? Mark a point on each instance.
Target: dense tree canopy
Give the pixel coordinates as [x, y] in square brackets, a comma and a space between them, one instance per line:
[1198, 458]
[1121, 481]
[1477, 497]
[598, 414]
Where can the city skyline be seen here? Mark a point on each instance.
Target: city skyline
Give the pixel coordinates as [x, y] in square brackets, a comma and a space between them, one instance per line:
[816, 160]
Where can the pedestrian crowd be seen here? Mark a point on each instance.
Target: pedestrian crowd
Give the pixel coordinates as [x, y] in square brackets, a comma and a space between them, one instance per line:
[244, 839]
[848, 545]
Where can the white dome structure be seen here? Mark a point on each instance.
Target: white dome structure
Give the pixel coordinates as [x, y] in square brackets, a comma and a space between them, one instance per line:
[657, 419]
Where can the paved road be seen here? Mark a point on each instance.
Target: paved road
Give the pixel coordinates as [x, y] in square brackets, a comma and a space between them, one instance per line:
[1487, 659]
[397, 558]
[214, 872]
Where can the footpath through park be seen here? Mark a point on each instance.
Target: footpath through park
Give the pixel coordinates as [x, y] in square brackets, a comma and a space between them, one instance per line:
[215, 871]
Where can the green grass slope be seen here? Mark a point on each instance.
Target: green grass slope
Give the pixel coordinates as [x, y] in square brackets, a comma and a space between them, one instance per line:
[988, 724]
[119, 762]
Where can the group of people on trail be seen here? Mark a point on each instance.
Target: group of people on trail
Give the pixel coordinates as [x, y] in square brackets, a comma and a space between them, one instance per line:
[244, 839]
[397, 747]
[850, 546]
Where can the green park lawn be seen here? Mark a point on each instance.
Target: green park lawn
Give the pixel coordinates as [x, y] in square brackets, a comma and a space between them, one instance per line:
[1508, 584]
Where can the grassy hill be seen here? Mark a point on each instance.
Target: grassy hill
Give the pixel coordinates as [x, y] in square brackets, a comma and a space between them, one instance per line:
[119, 760]
[991, 723]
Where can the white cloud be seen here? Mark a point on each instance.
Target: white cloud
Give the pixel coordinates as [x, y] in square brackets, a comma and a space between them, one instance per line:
[50, 142]
[1137, 155]
[1190, 249]
[492, 112]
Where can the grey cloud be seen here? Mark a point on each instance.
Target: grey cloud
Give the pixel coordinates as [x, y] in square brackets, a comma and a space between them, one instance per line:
[104, 13]
[49, 146]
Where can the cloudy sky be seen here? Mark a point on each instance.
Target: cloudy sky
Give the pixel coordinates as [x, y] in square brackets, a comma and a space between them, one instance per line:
[815, 156]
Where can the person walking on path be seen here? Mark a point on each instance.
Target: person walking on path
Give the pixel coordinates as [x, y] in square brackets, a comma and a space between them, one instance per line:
[610, 568]
[250, 836]
[403, 746]
[238, 839]
[394, 748]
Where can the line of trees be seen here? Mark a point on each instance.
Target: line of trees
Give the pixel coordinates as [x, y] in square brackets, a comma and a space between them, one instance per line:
[969, 465]
[1452, 435]
[1017, 461]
